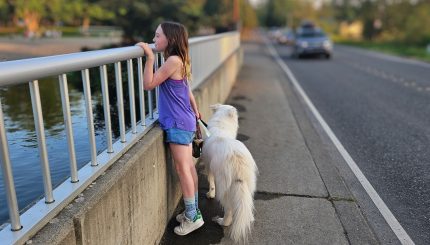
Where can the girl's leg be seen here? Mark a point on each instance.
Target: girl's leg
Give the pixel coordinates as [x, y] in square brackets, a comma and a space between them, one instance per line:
[183, 162]
[184, 168]
[186, 172]
[195, 178]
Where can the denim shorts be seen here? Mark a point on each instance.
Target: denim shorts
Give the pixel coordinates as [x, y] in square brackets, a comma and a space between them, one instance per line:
[179, 136]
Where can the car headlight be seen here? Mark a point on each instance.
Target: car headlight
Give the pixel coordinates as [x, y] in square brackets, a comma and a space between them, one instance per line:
[327, 44]
[303, 44]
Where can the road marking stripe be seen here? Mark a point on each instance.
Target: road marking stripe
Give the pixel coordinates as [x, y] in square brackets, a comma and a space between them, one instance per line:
[385, 211]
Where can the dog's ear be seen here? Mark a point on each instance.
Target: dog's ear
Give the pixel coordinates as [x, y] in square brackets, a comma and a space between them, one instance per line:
[214, 107]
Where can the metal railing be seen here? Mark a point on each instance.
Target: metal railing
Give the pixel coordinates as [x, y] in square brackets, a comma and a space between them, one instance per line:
[207, 54]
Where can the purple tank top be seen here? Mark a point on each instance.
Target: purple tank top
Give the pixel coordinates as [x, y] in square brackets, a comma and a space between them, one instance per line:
[174, 106]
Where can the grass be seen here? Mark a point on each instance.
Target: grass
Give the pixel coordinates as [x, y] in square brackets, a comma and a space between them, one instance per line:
[399, 49]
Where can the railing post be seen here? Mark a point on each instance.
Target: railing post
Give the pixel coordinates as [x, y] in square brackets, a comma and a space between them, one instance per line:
[8, 177]
[141, 91]
[131, 95]
[90, 120]
[40, 131]
[120, 100]
[106, 107]
[62, 79]
[150, 106]
[157, 65]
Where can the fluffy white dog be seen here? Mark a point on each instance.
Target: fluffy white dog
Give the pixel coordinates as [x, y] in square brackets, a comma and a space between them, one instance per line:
[232, 170]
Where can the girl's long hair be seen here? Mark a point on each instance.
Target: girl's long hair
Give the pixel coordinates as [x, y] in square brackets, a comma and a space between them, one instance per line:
[177, 38]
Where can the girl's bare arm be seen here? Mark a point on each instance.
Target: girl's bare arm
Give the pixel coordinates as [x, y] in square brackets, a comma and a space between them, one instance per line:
[194, 104]
[151, 79]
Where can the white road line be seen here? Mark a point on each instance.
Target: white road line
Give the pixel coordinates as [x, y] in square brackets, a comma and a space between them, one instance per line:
[386, 213]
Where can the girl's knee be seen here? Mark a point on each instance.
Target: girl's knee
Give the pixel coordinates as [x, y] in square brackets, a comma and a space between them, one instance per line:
[181, 167]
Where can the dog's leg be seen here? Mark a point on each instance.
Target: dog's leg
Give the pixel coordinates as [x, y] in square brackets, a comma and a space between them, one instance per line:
[226, 221]
[211, 180]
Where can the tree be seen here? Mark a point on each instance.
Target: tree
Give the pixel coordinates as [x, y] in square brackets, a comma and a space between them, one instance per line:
[31, 11]
[219, 15]
[6, 12]
[248, 15]
[287, 12]
[274, 13]
[416, 30]
[388, 20]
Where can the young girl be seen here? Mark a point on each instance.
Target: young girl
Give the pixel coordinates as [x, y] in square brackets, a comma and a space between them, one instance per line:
[177, 112]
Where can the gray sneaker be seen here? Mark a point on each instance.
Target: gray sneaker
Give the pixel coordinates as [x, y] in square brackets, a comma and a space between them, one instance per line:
[188, 225]
[181, 216]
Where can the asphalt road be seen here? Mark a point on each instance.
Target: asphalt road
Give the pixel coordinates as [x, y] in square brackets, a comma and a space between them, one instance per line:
[379, 108]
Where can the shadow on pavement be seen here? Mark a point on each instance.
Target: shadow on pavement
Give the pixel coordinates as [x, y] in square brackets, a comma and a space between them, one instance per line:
[210, 232]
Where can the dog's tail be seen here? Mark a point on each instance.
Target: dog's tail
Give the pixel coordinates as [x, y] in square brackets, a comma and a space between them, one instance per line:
[243, 211]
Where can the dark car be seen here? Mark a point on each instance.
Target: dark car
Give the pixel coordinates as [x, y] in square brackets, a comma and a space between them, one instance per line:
[311, 41]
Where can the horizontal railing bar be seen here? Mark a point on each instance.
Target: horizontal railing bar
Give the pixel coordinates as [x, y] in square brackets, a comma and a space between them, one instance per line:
[20, 71]
[196, 40]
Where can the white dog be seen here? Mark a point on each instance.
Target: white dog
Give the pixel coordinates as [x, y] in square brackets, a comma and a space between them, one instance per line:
[231, 167]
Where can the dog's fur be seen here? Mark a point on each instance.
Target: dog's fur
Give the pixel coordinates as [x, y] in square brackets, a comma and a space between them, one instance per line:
[232, 168]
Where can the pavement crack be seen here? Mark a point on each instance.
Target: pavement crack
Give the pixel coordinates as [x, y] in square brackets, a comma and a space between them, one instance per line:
[338, 199]
[265, 195]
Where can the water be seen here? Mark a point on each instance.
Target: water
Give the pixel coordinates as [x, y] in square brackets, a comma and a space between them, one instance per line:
[22, 139]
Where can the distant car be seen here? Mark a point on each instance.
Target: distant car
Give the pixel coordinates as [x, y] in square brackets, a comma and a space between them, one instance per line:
[275, 33]
[287, 37]
[311, 41]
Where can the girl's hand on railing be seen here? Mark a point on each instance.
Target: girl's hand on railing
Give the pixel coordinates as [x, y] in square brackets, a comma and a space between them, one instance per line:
[146, 49]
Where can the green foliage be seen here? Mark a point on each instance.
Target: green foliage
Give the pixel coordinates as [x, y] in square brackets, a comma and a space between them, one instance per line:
[276, 13]
[403, 21]
[137, 18]
[5, 11]
[287, 12]
[219, 14]
[35, 6]
[248, 15]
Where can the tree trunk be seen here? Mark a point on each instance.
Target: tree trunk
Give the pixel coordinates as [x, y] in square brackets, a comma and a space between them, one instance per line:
[86, 24]
[31, 20]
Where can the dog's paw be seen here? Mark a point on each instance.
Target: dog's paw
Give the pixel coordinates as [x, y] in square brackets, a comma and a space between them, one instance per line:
[211, 194]
[219, 221]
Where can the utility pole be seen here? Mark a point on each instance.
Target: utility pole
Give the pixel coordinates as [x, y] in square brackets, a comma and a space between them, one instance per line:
[236, 13]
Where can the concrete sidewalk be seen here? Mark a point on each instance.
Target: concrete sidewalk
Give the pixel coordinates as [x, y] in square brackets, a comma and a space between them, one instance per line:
[301, 198]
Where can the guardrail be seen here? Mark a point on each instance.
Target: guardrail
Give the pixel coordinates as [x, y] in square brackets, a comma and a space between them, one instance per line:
[207, 54]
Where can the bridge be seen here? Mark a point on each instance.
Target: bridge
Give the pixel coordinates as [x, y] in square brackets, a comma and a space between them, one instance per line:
[307, 191]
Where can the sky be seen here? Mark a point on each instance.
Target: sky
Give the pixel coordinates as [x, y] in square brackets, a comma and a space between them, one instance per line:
[256, 2]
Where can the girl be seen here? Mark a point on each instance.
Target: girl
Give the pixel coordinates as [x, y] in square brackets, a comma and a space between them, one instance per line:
[177, 112]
